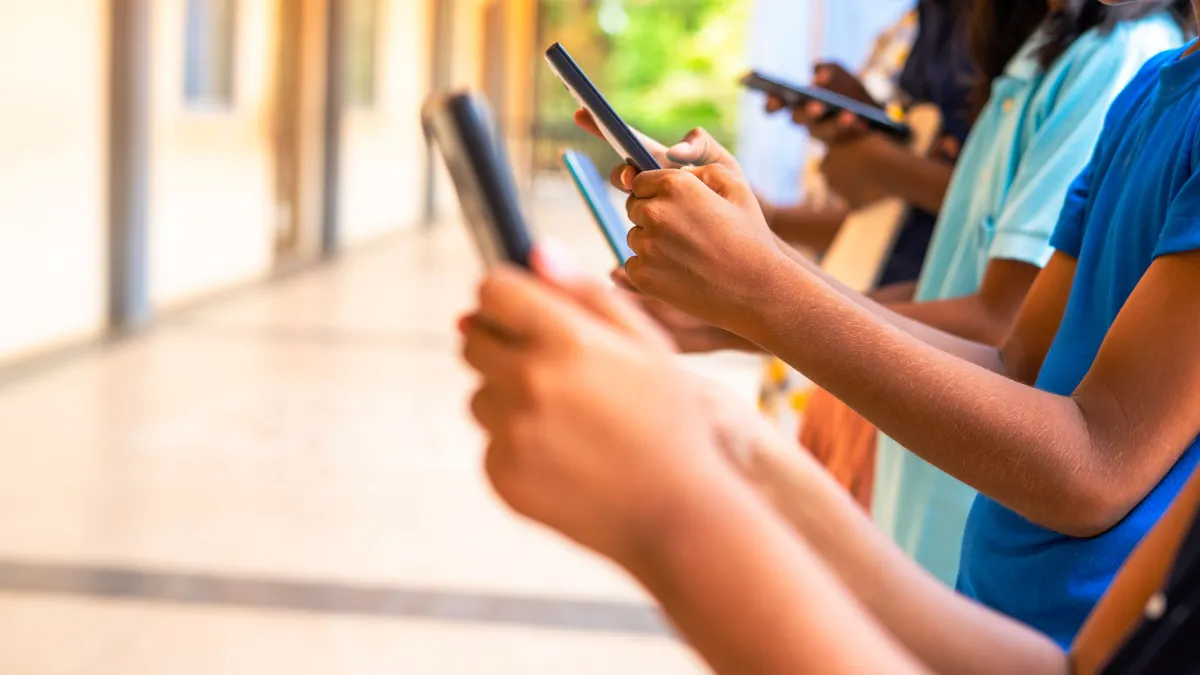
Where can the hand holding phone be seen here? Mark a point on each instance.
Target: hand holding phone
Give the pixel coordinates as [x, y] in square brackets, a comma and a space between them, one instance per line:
[796, 96]
[614, 130]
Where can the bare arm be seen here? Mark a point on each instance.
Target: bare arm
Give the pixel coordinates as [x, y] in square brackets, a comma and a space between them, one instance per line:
[1077, 464]
[752, 598]
[987, 316]
[807, 225]
[879, 167]
[947, 632]
[983, 355]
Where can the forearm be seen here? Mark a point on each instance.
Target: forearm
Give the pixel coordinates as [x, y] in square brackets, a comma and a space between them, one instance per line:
[919, 181]
[978, 353]
[808, 225]
[947, 632]
[1029, 449]
[751, 598]
[967, 317]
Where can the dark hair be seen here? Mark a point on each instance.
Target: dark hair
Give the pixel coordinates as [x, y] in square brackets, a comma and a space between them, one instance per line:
[999, 28]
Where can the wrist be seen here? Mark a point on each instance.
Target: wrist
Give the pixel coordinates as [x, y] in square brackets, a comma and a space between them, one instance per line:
[775, 279]
[653, 546]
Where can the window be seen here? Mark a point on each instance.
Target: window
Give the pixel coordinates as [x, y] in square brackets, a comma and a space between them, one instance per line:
[360, 75]
[210, 52]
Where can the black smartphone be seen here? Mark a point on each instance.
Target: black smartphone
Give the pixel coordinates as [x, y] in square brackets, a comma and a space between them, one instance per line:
[461, 126]
[795, 94]
[594, 190]
[615, 131]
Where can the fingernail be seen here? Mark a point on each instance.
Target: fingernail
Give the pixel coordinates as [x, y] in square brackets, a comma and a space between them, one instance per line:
[681, 153]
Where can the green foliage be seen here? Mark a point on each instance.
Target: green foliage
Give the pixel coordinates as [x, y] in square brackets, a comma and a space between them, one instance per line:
[665, 65]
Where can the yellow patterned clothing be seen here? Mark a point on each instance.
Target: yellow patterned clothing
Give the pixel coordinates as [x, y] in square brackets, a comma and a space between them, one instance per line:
[783, 395]
[784, 391]
[881, 74]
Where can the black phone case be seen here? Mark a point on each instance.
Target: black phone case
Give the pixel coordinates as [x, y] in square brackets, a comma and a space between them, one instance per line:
[589, 97]
[461, 126]
[793, 95]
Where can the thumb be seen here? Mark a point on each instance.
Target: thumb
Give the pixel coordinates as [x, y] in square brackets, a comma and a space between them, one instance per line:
[600, 299]
[699, 148]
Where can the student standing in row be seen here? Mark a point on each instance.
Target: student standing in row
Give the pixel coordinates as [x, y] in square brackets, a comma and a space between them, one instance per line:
[1078, 430]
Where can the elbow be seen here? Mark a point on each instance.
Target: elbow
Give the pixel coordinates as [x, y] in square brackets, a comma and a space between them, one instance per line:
[1089, 508]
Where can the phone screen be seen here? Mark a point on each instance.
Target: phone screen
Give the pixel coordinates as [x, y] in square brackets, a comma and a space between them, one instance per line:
[594, 191]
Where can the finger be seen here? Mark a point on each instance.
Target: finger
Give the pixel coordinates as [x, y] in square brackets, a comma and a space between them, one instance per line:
[621, 279]
[584, 120]
[636, 240]
[488, 353]
[827, 132]
[517, 304]
[622, 177]
[698, 148]
[487, 407]
[721, 181]
[774, 103]
[635, 271]
[822, 75]
[615, 309]
[553, 266]
[650, 184]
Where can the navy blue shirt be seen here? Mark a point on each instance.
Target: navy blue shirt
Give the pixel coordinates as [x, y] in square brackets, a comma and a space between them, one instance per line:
[938, 71]
[1138, 200]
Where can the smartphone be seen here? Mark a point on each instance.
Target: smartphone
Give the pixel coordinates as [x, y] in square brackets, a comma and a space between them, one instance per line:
[594, 190]
[615, 131]
[461, 126]
[794, 95]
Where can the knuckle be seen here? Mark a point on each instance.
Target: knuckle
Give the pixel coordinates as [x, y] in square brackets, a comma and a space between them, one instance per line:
[672, 181]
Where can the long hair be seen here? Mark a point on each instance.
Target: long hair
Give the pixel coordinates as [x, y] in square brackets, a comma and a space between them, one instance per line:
[999, 28]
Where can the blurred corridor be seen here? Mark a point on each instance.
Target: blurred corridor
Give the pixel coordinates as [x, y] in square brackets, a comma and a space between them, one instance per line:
[233, 435]
[286, 481]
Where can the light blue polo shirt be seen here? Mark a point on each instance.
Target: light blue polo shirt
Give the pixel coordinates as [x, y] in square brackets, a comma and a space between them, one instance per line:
[1036, 134]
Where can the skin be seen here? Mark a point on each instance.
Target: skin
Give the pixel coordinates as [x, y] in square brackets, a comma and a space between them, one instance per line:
[807, 226]
[856, 166]
[986, 316]
[690, 494]
[660, 500]
[643, 484]
[863, 166]
[1076, 464]
[1085, 460]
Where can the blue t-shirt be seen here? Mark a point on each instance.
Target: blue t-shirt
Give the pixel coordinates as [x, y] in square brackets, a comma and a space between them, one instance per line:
[1138, 199]
[1034, 136]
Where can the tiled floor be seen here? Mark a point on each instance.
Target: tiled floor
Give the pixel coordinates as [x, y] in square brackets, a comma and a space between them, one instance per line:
[286, 481]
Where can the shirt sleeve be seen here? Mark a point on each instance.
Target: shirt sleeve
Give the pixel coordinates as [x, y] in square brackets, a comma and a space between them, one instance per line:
[1182, 230]
[1050, 187]
[1068, 233]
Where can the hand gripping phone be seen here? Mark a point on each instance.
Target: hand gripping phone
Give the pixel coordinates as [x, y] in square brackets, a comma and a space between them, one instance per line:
[795, 94]
[615, 131]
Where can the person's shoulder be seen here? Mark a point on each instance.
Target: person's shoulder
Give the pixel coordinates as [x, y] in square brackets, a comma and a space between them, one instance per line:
[1129, 50]
[1119, 66]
